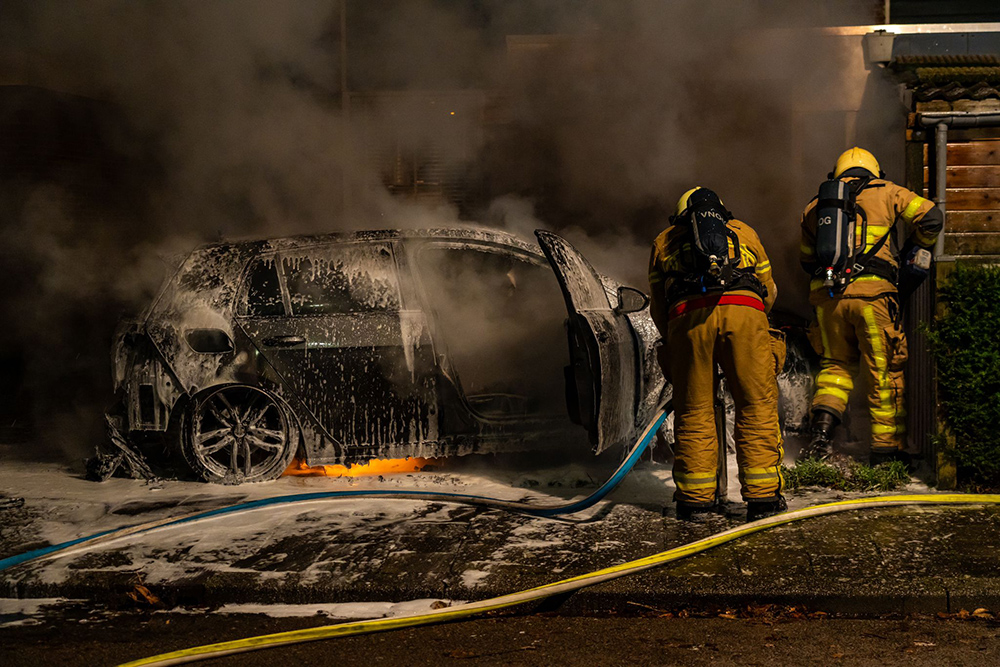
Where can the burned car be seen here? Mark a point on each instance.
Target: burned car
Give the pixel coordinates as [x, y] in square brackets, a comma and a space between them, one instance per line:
[383, 344]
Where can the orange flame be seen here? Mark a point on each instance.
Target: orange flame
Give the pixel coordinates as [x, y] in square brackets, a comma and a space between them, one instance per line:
[299, 468]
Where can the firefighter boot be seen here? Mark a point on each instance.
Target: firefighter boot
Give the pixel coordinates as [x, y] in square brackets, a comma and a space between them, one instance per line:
[761, 509]
[821, 430]
[697, 513]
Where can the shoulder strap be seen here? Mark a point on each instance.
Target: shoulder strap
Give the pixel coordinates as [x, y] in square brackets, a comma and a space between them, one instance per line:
[862, 184]
[862, 261]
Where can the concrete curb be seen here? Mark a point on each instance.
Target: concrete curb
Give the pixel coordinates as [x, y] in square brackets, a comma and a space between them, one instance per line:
[650, 592]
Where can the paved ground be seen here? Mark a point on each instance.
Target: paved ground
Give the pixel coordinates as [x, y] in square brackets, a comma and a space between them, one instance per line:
[760, 639]
[866, 562]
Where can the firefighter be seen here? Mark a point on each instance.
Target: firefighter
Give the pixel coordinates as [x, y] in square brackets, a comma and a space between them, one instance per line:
[711, 289]
[857, 318]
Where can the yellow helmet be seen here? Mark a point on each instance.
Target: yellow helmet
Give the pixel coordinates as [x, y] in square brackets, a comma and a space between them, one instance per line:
[685, 200]
[682, 203]
[856, 157]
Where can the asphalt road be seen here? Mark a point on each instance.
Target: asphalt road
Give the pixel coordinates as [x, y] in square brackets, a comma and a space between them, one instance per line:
[762, 639]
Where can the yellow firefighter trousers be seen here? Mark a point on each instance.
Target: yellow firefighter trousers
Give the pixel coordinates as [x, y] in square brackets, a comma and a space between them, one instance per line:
[737, 338]
[849, 329]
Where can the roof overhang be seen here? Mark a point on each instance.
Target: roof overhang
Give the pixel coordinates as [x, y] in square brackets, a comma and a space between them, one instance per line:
[960, 44]
[949, 62]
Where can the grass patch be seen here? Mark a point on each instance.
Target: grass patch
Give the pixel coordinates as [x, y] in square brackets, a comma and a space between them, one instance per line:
[854, 476]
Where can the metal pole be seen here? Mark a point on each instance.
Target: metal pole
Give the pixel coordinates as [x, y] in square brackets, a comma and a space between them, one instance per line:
[941, 181]
[722, 476]
[345, 96]
[345, 112]
[722, 472]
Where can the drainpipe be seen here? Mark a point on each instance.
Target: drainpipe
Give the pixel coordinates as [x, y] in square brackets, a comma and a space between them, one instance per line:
[941, 182]
[941, 122]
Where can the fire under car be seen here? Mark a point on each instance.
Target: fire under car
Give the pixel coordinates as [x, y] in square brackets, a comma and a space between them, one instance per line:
[343, 348]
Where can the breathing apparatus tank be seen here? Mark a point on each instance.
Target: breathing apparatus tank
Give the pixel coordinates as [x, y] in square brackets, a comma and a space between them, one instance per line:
[702, 210]
[837, 212]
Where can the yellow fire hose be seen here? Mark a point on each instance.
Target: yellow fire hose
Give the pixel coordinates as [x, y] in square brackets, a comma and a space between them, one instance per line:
[567, 585]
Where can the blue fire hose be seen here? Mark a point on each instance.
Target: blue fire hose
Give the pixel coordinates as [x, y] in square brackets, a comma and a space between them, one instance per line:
[535, 510]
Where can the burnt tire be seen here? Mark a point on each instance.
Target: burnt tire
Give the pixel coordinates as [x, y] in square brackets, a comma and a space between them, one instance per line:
[236, 434]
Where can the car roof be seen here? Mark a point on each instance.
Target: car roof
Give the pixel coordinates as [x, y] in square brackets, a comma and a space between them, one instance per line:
[207, 277]
[477, 234]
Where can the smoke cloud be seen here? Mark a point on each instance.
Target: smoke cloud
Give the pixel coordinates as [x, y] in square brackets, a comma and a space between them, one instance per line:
[226, 119]
[612, 126]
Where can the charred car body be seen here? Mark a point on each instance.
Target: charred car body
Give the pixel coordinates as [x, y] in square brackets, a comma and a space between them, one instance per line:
[383, 344]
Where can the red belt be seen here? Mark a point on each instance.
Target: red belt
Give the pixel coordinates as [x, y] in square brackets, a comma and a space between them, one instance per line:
[715, 300]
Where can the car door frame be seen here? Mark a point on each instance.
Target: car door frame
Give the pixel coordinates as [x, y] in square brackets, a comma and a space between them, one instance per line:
[604, 357]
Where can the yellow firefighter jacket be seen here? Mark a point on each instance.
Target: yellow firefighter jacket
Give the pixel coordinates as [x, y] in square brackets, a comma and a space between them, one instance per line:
[672, 257]
[883, 202]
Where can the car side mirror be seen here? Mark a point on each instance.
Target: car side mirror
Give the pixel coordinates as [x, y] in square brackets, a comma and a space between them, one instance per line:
[630, 300]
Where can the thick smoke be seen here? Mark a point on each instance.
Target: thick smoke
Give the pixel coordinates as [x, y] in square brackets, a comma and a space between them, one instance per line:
[229, 122]
[214, 119]
[612, 126]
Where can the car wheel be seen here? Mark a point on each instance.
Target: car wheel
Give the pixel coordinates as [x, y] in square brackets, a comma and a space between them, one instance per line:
[237, 434]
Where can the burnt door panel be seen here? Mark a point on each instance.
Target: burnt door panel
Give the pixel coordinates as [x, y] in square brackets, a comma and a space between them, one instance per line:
[601, 376]
[362, 366]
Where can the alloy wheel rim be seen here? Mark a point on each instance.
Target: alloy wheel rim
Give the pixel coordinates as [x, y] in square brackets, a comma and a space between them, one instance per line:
[239, 432]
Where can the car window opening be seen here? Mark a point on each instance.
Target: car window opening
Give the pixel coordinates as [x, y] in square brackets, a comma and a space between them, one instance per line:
[501, 318]
[341, 279]
[263, 294]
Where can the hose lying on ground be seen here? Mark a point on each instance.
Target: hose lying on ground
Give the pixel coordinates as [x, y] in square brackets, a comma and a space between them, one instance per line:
[106, 537]
[472, 608]
[565, 586]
